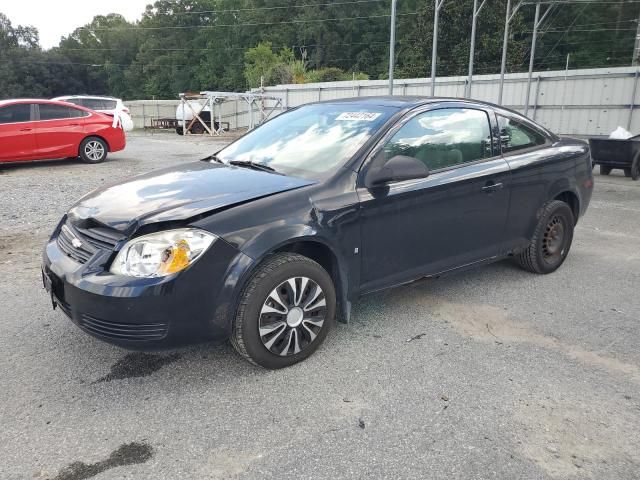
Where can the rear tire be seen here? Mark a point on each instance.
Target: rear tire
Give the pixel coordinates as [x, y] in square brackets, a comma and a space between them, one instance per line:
[284, 312]
[605, 170]
[635, 168]
[93, 150]
[551, 240]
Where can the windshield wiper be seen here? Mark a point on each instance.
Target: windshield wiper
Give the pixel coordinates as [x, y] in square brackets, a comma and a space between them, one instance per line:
[213, 158]
[255, 165]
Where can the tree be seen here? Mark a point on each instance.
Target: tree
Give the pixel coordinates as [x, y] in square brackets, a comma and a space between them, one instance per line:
[194, 45]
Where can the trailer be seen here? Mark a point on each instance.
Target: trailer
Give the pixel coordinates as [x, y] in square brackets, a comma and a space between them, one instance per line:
[612, 153]
[202, 113]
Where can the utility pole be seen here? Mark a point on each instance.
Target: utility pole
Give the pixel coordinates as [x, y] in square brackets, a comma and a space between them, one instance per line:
[636, 47]
[434, 52]
[392, 45]
[472, 48]
[564, 92]
[536, 23]
[508, 17]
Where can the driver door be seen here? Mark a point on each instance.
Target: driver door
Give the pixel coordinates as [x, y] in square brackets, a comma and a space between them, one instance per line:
[453, 217]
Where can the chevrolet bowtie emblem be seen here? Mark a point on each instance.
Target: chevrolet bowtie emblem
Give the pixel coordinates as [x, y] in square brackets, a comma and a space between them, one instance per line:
[74, 240]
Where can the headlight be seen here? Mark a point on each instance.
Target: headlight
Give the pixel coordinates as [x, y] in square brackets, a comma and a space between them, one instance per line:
[162, 253]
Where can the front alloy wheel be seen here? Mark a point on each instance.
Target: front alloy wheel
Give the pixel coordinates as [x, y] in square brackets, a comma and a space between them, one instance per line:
[292, 316]
[284, 311]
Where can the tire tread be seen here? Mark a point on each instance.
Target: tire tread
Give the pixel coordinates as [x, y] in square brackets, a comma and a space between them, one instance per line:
[528, 259]
[266, 269]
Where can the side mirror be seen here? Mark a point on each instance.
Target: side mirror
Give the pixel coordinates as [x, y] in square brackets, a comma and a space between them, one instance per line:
[397, 169]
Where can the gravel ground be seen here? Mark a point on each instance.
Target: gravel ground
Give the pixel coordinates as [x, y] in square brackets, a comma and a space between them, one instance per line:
[494, 373]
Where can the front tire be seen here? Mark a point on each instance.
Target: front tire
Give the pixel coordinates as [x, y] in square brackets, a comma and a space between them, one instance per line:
[551, 240]
[93, 150]
[284, 312]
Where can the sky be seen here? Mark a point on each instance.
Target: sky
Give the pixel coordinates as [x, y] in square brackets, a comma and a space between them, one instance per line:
[55, 18]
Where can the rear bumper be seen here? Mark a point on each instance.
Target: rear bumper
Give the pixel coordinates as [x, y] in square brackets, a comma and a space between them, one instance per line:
[118, 140]
[192, 306]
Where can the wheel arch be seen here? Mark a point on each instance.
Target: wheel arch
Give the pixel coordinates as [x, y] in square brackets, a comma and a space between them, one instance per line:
[565, 190]
[322, 253]
[318, 250]
[570, 198]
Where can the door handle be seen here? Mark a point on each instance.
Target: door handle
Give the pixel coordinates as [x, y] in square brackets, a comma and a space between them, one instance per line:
[26, 129]
[72, 125]
[491, 187]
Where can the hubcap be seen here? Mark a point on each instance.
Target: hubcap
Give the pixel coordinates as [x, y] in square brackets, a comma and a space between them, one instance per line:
[94, 150]
[292, 316]
[553, 240]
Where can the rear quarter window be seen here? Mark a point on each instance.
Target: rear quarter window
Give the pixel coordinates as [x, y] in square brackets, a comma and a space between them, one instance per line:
[515, 135]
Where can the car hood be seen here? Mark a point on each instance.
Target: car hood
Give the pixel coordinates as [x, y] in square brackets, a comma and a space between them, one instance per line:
[177, 193]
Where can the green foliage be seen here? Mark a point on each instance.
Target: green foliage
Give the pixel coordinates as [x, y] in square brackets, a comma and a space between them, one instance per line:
[262, 63]
[193, 45]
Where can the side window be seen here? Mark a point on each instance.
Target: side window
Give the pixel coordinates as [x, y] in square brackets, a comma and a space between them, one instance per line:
[516, 135]
[443, 138]
[55, 112]
[93, 103]
[17, 113]
[75, 101]
[76, 113]
[109, 104]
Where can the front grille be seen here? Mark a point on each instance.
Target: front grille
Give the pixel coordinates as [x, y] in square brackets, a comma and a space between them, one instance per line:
[82, 243]
[123, 331]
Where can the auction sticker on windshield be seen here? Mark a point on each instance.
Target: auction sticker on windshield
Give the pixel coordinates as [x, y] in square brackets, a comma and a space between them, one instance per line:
[361, 116]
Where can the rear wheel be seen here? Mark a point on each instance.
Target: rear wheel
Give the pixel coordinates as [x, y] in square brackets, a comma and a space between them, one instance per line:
[551, 240]
[635, 168]
[605, 170]
[93, 150]
[284, 312]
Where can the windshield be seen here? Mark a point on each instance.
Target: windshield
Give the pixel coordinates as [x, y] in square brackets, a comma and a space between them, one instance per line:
[310, 141]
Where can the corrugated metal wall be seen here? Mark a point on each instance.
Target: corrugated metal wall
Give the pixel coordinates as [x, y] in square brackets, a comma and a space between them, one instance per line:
[585, 102]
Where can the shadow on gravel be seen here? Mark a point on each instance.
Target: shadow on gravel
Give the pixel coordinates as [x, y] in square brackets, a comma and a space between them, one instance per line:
[138, 364]
[127, 454]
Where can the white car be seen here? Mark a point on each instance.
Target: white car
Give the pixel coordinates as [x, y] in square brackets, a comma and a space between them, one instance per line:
[110, 105]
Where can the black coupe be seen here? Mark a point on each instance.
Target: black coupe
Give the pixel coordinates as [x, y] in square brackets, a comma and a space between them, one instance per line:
[271, 239]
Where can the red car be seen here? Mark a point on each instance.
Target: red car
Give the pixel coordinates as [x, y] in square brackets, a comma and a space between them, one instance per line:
[47, 129]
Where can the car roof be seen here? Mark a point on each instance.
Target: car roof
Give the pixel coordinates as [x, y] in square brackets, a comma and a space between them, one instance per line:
[89, 96]
[15, 101]
[35, 100]
[411, 102]
[405, 101]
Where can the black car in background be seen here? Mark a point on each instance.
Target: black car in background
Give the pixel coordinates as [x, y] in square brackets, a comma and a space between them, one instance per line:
[271, 239]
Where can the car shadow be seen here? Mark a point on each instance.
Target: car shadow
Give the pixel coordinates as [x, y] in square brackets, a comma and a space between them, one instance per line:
[35, 164]
[7, 167]
[218, 362]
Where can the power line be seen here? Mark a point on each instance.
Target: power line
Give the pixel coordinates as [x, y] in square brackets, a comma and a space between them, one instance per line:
[583, 2]
[273, 47]
[253, 24]
[587, 30]
[287, 7]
